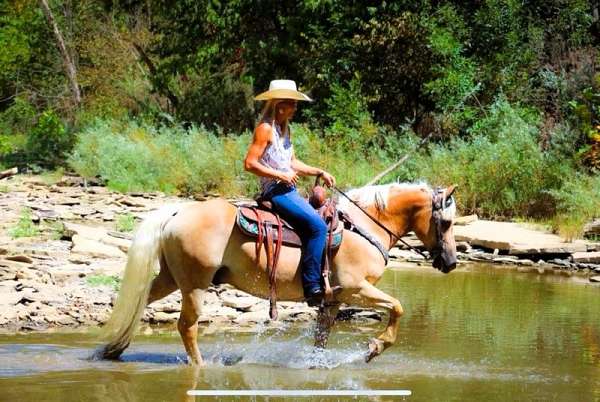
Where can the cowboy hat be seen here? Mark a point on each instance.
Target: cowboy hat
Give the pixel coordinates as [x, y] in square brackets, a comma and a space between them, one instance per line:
[283, 89]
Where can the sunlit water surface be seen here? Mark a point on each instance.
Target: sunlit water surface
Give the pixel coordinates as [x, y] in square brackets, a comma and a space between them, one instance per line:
[479, 334]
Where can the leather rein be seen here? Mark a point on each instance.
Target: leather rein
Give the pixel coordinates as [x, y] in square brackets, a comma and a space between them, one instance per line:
[437, 204]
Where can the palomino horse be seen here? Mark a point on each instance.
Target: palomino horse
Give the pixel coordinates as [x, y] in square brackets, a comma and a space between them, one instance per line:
[198, 243]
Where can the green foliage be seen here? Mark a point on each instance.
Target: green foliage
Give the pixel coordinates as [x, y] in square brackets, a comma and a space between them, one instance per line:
[125, 223]
[25, 226]
[104, 280]
[577, 204]
[48, 140]
[56, 229]
[500, 170]
[138, 157]
[455, 75]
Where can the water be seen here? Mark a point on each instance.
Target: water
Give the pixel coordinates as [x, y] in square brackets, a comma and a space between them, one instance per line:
[478, 334]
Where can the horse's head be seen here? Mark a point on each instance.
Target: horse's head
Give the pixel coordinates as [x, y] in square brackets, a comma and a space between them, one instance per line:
[435, 230]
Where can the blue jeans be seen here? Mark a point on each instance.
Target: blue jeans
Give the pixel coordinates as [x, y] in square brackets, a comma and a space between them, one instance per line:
[310, 227]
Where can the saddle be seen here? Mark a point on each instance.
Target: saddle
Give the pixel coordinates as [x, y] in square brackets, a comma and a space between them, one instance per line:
[260, 222]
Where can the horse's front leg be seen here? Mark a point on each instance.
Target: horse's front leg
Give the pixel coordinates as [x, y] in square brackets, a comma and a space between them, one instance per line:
[325, 320]
[370, 296]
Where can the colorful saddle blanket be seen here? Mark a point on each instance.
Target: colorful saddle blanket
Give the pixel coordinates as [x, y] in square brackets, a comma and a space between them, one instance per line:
[247, 221]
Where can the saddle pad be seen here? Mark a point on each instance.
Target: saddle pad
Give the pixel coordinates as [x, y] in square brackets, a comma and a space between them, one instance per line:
[246, 221]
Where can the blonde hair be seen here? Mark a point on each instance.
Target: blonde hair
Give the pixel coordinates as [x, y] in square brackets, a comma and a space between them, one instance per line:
[269, 111]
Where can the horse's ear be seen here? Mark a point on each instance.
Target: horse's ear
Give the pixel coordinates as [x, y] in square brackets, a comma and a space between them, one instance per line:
[450, 190]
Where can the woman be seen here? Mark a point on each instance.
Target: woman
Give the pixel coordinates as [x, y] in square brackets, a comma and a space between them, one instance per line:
[271, 157]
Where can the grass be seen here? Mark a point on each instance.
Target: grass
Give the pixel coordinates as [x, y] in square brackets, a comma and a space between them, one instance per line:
[104, 280]
[125, 223]
[56, 229]
[52, 177]
[25, 226]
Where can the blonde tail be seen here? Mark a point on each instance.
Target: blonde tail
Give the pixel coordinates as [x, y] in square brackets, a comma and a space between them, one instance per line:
[142, 262]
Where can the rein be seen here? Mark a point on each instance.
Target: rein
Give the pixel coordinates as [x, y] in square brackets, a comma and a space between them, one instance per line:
[381, 225]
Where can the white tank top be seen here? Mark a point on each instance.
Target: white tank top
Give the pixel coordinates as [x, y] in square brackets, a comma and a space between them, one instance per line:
[277, 155]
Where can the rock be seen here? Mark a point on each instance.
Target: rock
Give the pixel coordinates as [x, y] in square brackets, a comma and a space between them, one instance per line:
[243, 303]
[220, 311]
[562, 263]
[514, 238]
[68, 201]
[592, 227]
[167, 307]
[587, 257]
[400, 254]
[162, 317]
[525, 262]
[130, 203]
[121, 244]
[465, 220]
[94, 248]
[506, 260]
[88, 232]
[120, 235]
[252, 317]
[463, 246]
[19, 258]
[595, 278]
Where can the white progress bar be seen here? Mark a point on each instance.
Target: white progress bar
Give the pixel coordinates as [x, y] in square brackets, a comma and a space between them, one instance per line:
[300, 392]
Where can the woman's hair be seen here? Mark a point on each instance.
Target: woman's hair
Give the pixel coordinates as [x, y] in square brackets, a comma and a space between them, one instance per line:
[269, 111]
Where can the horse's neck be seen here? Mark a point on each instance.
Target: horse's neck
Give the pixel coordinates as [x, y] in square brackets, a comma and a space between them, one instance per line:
[362, 220]
[402, 211]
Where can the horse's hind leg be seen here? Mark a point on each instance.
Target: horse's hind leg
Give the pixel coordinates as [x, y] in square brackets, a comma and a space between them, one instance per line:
[370, 296]
[325, 320]
[191, 302]
[163, 285]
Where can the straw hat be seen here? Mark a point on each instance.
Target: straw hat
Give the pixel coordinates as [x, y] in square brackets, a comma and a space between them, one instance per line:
[283, 89]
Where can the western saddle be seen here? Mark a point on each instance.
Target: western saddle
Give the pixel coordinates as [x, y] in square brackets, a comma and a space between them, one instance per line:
[260, 222]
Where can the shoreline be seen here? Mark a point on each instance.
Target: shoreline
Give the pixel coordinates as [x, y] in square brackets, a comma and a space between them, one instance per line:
[64, 276]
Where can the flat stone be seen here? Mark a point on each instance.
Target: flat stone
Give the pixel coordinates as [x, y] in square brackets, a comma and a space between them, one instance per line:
[514, 238]
[400, 254]
[82, 245]
[19, 258]
[162, 317]
[588, 257]
[595, 278]
[243, 303]
[121, 244]
[88, 232]
[465, 220]
[592, 227]
[68, 201]
[252, 317]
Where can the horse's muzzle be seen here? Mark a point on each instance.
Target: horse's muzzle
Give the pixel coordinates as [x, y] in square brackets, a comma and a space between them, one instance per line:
[444, 263]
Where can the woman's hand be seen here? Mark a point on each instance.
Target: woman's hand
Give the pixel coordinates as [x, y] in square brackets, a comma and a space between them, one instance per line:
[290, 178]
[328, 179]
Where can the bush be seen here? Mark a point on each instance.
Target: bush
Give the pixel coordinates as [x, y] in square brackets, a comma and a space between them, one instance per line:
[136, 157]
[500, 170]
[577, 204]
[48, 141]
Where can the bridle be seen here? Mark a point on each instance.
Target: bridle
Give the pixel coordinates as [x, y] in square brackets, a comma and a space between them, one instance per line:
[439, 202]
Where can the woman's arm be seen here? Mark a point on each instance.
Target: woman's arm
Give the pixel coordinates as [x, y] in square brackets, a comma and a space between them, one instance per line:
[306, 170]
[260, 141]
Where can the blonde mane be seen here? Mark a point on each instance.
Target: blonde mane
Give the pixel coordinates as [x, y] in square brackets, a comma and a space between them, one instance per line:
[377, 195]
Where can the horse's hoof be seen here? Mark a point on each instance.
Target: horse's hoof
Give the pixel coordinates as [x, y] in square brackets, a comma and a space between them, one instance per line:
[375, 349]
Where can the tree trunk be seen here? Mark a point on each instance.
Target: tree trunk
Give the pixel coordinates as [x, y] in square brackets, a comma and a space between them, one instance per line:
[67, 62]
